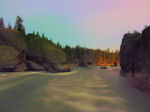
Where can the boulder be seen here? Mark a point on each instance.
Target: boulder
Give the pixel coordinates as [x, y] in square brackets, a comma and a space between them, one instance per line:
[142, 82]
[64, 70]
[50, 68]
[32, 66]
[103, 67]
[6, 68]
[21, 67]
[115, 63]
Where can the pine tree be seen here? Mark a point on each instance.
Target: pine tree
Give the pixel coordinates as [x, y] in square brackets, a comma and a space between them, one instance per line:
[18, 25]
[9, 26]
[33, 33]
[38, 35]
[2, 23]
[43, 36]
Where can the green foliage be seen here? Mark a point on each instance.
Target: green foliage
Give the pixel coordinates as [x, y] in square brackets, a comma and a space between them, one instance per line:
[83, 56]
[8, 56]
[135, 33]
[33, 33]
[14, 39]
[43, 36]
[78, 55]
[53, 54]
[70, 54]
[38, 46]
[44, 49]
[35, 47]
[38, 35]
[59, 46]
[19, 26]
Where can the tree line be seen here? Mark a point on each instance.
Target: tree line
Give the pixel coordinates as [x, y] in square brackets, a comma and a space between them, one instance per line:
[71, 55]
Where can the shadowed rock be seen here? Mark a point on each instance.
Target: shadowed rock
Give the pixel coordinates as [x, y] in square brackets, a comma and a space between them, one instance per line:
[21, 67]
[128, 49]
[135, 57]
[32, 66]
[103, 67]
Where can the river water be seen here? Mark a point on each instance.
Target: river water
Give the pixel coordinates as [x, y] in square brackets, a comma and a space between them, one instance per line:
[88, 89]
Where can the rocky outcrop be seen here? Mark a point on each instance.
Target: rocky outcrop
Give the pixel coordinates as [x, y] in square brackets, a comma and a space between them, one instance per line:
[32, 66]
[19, 52]
[135, 57]
[143, 54]
[134, 52]
[142, 82]
[128, 49]
[65, 70]
[21, 67]
[49, 67]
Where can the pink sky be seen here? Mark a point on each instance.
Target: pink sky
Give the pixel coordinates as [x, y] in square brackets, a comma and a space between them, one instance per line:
[89, 23]
[115, 18]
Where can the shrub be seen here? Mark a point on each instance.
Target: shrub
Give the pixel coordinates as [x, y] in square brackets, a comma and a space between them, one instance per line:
[53, 54]
[8, 56]
[13, 38]
[42, 48]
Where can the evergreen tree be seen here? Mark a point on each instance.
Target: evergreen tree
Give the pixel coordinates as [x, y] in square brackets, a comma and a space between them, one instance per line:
[33, 33]
[9, 26]
[58, 45]
[43, 36]
[38, 35]
[18, 25]
[2, 23]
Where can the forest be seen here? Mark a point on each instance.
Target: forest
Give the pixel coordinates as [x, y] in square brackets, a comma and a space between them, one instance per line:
[39, 49]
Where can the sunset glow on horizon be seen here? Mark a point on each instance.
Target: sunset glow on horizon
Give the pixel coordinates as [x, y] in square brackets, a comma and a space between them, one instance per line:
[90, 23]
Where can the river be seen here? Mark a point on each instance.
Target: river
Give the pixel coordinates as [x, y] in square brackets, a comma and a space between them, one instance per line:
[88, 89]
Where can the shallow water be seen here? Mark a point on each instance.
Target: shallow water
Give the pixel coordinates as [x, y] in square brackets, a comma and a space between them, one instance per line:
[83, 90]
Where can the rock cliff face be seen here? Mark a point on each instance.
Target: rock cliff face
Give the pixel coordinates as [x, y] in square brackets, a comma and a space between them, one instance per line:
[135, 57]
[129, 48]
[135, 52]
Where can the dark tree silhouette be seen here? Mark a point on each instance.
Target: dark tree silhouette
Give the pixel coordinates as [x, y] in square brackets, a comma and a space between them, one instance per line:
[33, 33]
[37, 34]
[2, 25]
[9, 26]
[43, 36]
[18, 25]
